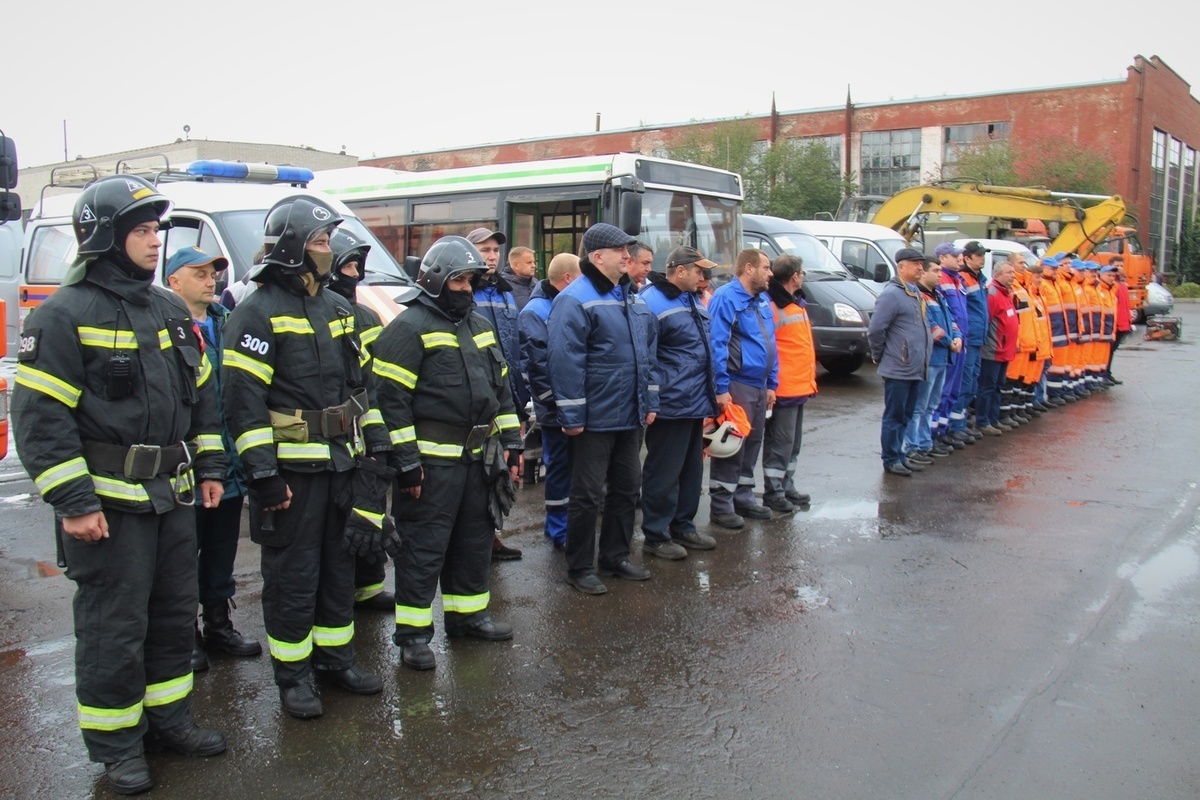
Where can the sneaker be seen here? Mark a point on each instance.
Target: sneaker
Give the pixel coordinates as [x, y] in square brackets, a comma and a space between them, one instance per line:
[667, 550]
[731, 521]
[940, 450]
[913, 466]
[756, 511]
[1003, 427]
[917, 457]
[897, 468]
[780, 504]
[694, 540]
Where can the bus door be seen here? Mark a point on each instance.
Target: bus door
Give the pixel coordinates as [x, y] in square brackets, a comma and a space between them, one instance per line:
[550, 227]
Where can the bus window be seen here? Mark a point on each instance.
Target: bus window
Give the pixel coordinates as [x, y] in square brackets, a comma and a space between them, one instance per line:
[385, 219]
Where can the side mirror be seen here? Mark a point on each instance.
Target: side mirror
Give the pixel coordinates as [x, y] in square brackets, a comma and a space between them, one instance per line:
[631, 213]
[10, 207]
[881, 273]
[8, 163]
[412, 266]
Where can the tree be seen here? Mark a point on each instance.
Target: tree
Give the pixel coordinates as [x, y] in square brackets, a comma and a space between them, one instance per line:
[1187, 251]
[1040, 157]
[986, 162]
[792, 178]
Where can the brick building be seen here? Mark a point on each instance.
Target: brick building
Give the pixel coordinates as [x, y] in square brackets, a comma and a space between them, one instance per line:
[1147, 125]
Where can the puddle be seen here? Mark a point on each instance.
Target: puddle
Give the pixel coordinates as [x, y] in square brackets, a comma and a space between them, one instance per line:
[845, 510]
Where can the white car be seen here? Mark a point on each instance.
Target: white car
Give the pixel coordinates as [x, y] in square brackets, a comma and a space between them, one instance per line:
[1159, 300]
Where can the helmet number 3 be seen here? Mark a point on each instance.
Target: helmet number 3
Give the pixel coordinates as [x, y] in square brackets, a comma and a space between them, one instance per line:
[253, 344]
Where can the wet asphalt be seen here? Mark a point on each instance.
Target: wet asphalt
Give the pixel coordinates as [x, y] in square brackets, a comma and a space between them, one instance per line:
[1020, 620]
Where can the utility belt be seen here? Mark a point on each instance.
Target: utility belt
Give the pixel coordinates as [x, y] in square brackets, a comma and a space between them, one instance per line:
[143, 462]
[472, 438]
[329, 422]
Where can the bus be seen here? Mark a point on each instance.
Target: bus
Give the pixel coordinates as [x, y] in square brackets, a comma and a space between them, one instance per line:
[547, 205]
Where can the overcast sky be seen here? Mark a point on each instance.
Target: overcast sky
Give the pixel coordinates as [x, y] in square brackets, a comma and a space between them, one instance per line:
[393, 78]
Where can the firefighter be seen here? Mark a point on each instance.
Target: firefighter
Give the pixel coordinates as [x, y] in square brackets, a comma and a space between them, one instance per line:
[295, 402]
[444, 393]
[349, 267]
[115, 414]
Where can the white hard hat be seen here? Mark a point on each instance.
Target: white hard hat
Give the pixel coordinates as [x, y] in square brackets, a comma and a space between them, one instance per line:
[723, 441]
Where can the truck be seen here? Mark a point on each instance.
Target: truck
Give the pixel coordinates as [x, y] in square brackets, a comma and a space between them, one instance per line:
[1095, 231]
[10, 256]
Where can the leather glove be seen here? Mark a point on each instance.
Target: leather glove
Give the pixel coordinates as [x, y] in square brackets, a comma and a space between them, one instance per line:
[270, 491]
[362, 537]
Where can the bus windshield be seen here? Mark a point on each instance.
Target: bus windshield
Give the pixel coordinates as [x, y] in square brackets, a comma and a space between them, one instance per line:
[243, 232]
[672, 219]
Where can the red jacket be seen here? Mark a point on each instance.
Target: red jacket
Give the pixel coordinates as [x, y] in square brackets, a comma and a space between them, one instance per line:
[1122, 293]
[1001, 341]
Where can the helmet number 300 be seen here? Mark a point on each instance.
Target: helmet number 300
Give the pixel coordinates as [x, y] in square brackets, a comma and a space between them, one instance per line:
[254, 345]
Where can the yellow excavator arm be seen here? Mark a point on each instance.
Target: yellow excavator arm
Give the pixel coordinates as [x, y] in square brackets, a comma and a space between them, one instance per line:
[1081, 228]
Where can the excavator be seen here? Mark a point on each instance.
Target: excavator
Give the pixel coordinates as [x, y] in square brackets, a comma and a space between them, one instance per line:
[1094, 231]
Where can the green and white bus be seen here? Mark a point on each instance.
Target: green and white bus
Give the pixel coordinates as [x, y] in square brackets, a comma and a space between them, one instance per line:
[547, 205]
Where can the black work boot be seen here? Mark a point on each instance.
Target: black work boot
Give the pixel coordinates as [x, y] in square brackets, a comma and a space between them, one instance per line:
[220, 635]
[199, 659]
[131, 776]
[188, 739]
[301, 701]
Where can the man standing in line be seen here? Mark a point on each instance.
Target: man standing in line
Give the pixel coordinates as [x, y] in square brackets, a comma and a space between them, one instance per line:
[673, 473]
[900, 343]
[520, 272]
[641, 261]
[999, 348]
[601, 343]
[975, 289]
[563, 269]
[1120, 292]
[747, 373]
[110, 383]
[919, 445]
[494, 302]
[192, 275]
[797, 384]
[951, 284]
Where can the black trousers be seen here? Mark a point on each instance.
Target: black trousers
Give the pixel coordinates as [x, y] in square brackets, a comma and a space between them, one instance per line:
[672, 477]
[217, 531]
[596, 457]
[445, 537]
[135, 612]
[308, 578]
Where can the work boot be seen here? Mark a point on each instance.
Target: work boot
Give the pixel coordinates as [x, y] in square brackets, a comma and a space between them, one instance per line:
[939, 450]
[380, 601]
[694, 540]
[668, 550]
[199, 658]
[916, 457]
[301, 701]
[131, 776]
[753, 511]
[188, 739]
[730, 521]
[588, 583]
[220, 635]
[502, 552]
[780, 504]
[417, 655]
[797, 498]
[353, 680]
[483, 627]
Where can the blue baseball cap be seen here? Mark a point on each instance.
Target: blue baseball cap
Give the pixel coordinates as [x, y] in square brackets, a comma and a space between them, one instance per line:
[1108, 268]
[947, 249]
[1049, 262]
[1091, 265]
[1077, 263]
[192, 257]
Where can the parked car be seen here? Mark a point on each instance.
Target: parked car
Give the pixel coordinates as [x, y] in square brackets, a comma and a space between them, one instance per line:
[839, 305]
[1159, 300]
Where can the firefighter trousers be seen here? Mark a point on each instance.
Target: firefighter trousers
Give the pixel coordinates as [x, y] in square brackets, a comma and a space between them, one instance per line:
[135, 610]
[445, 537]
[308, 578]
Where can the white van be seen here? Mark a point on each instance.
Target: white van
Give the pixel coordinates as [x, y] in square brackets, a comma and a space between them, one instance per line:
[867, 250]
[218, 216]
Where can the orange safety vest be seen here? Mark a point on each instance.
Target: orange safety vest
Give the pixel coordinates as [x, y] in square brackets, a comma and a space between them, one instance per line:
[797, 354]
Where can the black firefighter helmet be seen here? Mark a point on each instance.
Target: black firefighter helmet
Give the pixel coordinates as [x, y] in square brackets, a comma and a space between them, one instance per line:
[291, 224]
[346, 247]
[449, 256]
[99, 210]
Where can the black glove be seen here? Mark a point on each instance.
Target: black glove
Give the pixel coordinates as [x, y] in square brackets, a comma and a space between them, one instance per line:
[367, 520]
[514, 458]
[360, 538]
[408, 478]
[271, 491]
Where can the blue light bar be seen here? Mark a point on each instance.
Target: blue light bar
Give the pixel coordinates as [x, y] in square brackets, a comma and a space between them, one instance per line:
[259, 173]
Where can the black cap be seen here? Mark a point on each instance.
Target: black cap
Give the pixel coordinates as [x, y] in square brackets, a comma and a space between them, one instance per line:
[975, 249]
[910, 254]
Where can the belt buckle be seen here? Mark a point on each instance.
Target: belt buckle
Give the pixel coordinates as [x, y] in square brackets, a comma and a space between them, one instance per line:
[476, 438]
[142, 461]
[333, 421]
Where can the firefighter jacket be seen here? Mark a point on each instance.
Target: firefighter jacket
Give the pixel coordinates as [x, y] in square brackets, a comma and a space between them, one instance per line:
[942, 327]
[1070, 306]
[1001, 341]
[1055, 316]
[494, 302]
[682, 351]
[368, 326]
[287, 353]
[794, 341]
[954, 292]
[743, 338]
[111, 362]
[213, 334]
[602, 343]
[437, 379]
[534, 354]
[975, 289]
[1045, 344]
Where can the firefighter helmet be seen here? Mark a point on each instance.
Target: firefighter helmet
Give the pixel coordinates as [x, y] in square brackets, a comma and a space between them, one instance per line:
[102, 203]
[347, 247]
[449, 256]
[291, 224]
